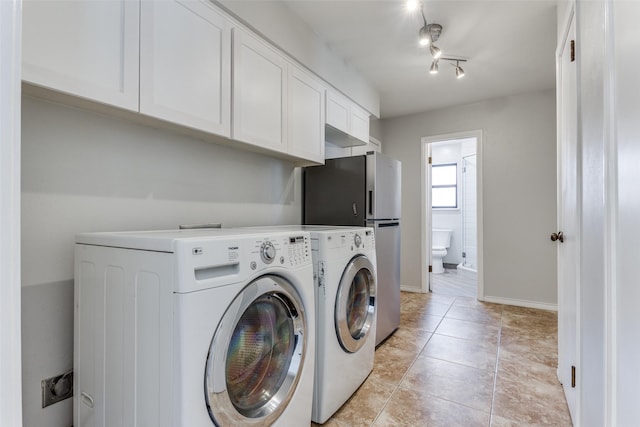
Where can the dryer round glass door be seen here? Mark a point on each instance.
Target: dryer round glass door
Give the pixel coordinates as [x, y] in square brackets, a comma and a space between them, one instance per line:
[355, 304]
[256, 354]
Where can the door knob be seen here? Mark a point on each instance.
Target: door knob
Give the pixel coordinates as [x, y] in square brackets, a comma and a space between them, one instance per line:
[557, 236]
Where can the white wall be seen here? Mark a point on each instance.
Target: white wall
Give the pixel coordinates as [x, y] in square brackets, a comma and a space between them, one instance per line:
[10, 337]
[86, 172]
[277, 23]
[519, 190]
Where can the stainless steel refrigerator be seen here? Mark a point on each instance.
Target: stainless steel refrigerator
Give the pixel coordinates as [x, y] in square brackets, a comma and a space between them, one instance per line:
[363, 191]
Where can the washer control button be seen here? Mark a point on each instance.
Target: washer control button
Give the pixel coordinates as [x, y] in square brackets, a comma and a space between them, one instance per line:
[267, 252]
[357, 240]
[253, 265]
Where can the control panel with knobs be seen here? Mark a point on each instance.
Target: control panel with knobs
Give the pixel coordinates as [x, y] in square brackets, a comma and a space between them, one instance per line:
[267, 252]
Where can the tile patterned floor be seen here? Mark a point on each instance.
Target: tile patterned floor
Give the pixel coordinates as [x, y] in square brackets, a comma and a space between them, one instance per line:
[455, 361]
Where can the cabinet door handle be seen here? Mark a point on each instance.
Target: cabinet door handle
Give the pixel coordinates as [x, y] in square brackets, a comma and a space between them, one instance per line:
[557, 236]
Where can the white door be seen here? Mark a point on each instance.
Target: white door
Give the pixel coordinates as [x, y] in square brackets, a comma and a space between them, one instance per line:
[568, 222]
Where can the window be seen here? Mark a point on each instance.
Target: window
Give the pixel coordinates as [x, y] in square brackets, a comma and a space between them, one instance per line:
[444, 186]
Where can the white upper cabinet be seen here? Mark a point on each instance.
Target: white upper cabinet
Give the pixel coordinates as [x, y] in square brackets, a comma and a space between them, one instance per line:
[185, 64]
[347, 123]
[84, 48]
[259, 93]
[306, 115]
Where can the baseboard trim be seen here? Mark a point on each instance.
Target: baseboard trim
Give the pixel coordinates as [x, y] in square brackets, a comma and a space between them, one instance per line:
[411, 289]
[522, 303]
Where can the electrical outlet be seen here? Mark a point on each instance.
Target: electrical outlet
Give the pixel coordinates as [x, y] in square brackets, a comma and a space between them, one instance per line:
[57, 388]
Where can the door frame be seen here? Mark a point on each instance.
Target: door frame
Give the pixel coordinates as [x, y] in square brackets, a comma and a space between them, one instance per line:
[10, 286]
[425, 183]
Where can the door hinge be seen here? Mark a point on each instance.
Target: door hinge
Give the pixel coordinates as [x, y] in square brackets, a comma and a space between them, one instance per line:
[430, 269]
[573, 50]
[464, 254]
[573, 377]
[429, 159]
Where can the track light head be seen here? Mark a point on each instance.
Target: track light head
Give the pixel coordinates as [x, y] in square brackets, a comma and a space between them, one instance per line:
[435, 51]
[423, 36]
[459, 71]
[434, 67]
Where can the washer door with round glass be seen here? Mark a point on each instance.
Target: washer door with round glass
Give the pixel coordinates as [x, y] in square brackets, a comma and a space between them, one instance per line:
[355, 304]
[256, 354]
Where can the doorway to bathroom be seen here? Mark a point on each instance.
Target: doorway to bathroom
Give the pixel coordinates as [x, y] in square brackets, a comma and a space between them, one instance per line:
[452, 214]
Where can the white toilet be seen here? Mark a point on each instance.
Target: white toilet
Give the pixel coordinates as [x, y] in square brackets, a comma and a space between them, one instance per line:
[440, 242]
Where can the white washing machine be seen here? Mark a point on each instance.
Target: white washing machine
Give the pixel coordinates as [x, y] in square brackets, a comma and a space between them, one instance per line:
[344, 264]
[194, 328]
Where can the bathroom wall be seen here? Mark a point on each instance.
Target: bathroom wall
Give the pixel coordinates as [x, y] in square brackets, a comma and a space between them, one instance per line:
[83, 171]
[519, 190]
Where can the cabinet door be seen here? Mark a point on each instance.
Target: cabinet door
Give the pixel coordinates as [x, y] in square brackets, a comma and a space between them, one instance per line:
[359, 124]
[185, 64]
[338, 111]
[84, 48]
[259, 93]
[306, 115]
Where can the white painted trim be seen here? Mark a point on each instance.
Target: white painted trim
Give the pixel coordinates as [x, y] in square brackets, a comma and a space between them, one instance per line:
[10, 287]
[610, 166]
[522, 303]
[426, 211]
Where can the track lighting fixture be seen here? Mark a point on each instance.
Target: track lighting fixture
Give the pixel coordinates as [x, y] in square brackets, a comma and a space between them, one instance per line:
[430, 33]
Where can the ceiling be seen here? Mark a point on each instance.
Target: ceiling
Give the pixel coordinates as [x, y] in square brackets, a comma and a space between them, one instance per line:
[509, 44]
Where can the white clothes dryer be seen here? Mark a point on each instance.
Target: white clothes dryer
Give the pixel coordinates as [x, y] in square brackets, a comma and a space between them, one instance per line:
[194, 328]
[346, 283]
[344, 264]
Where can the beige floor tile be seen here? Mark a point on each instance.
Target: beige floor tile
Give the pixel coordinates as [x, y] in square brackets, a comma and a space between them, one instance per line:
[523, 370]
[469, 330]
[531, 323]
[365, 405]
[390, 364]
[414, 408]
[474, 303]
[484, 314]
[419, 320]
[516, 347]
[451, 381]
[531, 402]
[330, 423]
[477, 354]
[410, 340]
[504, 422]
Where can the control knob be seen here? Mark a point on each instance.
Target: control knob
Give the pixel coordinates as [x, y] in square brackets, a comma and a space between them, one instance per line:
[357, 240]
[267, 252]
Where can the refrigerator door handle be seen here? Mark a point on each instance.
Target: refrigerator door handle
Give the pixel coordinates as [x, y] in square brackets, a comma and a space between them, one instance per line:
[370, 202]
[355, 209]
[388, 224]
